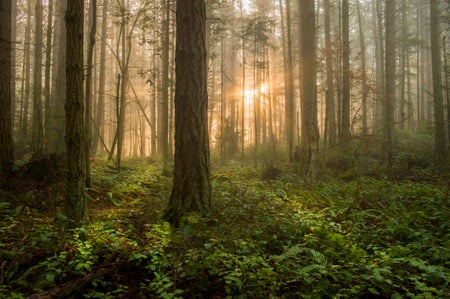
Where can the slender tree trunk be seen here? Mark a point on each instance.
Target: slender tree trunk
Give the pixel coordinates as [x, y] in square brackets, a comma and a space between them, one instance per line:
[100, 107]
[446, 84]
[38, 126]
[13, 64]
[6, 142]
[191, 186]
[345, 122]
[164, 107]
[47, 83]
[330, 117]
[75, 143]
[439, 119]
[390, 80]
[402, 68]
[364, 88]
[26, 88]
[88, 90]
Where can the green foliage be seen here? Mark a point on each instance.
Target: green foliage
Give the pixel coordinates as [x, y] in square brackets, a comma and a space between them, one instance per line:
[277, 238]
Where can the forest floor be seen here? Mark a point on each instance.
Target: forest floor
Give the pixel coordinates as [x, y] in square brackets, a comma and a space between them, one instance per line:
[270, 236]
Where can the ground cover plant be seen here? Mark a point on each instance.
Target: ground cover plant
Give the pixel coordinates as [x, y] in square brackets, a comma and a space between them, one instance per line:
[283, 237]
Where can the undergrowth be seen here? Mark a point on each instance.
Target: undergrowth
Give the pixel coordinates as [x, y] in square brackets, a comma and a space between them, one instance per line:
[282, 238]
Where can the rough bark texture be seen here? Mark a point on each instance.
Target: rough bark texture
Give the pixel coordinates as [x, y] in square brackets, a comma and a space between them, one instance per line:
[439, 122]
[6, 152]
[38, 126]
[310, 130]
[191, 186]
[345, 117]
[75, 193]
[89, 95]
[390, 80]
[330, 118]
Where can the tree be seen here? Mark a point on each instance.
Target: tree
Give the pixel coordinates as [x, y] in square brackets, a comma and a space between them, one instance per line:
[191, 189]
[330, 117]
[38, 126]
[164, 114]
[88, 97]
[439, 122]
[6, 143]
[389, 80]
[75, 199]
[288, 78]
[309, 122]
[345, 117]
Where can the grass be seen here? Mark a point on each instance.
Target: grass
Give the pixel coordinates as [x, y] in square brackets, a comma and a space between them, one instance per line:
[281, 238]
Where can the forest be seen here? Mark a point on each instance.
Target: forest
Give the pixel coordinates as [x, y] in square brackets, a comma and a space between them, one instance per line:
[224, 149]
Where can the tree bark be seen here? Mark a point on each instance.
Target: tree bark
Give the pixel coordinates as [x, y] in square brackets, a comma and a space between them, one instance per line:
[330, 117]
[6, 143]
[38, 126]
[389, 12]
[88, 97]
[191, 186]
[345, 121]
[74, 107]
[308, 86]
[439, 119]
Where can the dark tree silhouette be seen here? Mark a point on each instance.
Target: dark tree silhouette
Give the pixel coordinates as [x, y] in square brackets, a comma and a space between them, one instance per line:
[75, 146]
[6, 143]
[191, 186]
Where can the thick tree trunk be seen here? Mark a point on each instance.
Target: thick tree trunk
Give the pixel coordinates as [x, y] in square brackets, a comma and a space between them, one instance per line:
[75, 141]
[191, 186]
[6, 143]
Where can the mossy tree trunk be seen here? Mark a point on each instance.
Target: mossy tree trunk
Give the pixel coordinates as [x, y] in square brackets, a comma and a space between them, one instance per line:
[191, 186]
[75, 142]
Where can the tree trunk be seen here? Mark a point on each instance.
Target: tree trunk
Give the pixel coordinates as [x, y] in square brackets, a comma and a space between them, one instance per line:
[389, 12]
[289, 109]
[88, 90]
[47, 76]
[75, 141]
[330, 117]
[100, 107]
[191, 185]
[164, 107]
[57, 120]
[364, 88]
[308, 86]
[439, 122]
[27, 74]
[6, 143]
[38, 128]
[345, 121]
